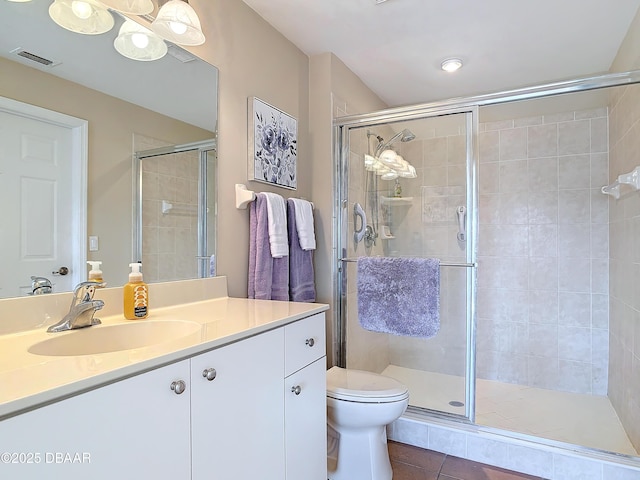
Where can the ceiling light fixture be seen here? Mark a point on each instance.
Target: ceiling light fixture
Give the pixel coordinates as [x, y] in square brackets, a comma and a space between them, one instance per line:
[132, 7]
[88, 17]
[139, 43]
[451, 64]
[178, 22]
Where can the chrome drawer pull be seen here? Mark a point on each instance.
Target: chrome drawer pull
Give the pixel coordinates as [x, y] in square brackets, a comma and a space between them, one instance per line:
[296, 389]
[310, 341]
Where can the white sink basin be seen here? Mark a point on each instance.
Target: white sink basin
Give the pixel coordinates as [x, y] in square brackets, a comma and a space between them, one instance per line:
[114, 338]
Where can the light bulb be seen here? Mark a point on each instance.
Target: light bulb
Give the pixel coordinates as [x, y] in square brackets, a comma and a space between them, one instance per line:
[81, 9]
[178, 28]
[140, 40]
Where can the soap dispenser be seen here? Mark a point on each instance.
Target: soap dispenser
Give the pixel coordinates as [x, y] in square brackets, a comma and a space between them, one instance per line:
[95, 274]
[136, 295]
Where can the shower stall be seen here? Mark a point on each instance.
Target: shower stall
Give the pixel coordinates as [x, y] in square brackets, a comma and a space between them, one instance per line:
[539, 278]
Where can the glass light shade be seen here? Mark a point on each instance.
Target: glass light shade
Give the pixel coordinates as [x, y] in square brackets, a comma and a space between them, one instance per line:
[388, 157]
[133, 7]
[178, 22]
[19, 1]
[391, 175]
[410, 173]
[139, 43]
[369, 161]
[88, 17]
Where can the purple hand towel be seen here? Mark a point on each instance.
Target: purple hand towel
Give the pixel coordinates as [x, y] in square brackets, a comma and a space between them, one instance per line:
[268, 276]
[302, 286]
[399, 295]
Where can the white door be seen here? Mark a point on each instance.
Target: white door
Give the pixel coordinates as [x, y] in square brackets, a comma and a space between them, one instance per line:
[42, 197]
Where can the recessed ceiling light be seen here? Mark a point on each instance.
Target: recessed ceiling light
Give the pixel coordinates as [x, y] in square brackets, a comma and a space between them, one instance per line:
[451, 64]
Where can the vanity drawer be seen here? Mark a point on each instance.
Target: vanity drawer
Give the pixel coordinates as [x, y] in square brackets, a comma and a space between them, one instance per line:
[304, 343]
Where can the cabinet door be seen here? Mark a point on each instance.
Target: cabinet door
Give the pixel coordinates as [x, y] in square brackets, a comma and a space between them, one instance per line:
[306, 423]
[135, 428]
[237, 416]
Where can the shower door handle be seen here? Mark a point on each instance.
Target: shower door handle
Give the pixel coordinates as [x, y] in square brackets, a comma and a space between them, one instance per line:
[358, 212]
[461, 211]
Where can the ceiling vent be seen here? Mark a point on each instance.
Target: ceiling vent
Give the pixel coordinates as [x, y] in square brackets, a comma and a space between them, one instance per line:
[32, 57]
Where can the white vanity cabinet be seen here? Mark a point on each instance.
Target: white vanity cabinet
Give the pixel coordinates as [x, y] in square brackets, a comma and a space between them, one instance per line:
[251, 409]
[135, 428]
[237, 410]
[305, 399]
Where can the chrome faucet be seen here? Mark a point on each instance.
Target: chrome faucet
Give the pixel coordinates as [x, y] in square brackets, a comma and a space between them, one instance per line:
[40, 285]
[83, 308]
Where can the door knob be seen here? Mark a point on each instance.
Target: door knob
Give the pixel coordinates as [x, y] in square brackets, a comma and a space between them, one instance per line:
[61, 271]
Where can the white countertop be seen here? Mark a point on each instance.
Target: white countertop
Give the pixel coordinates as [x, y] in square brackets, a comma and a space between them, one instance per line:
[28, 380]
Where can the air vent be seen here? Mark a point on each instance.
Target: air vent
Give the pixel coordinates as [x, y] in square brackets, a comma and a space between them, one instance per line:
[180, 54]
[45, 62]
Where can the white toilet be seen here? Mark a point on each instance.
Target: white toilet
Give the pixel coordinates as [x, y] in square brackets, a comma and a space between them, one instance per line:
[359, 407]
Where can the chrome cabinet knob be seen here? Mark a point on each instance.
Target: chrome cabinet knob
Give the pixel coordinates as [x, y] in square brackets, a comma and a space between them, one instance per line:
[310, 341]
[296, 389]
[178, 387]
[209, 373]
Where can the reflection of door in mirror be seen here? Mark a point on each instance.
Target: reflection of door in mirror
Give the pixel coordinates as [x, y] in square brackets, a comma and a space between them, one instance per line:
[175, 225]
[42, 177]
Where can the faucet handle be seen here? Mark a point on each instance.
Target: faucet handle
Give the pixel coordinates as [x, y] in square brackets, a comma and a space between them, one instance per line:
[84, 290]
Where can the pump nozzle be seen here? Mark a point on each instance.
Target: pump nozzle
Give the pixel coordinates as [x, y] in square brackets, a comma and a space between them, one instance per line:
[135, 275]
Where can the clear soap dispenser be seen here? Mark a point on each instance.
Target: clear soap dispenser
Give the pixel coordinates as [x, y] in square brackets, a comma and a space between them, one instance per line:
[136, 295]
[95, 274]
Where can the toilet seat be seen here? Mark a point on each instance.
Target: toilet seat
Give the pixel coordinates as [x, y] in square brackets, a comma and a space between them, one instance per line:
[363, 387]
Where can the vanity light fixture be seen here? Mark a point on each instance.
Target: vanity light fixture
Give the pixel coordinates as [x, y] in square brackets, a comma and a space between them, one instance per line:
[19, 1]
[88, 17]
[450, 65]
[178, 22]
[139, 43]
[132, 7]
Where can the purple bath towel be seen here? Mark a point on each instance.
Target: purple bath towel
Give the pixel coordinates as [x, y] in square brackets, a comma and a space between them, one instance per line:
[399, 295]
[302, 286]
[268, 276]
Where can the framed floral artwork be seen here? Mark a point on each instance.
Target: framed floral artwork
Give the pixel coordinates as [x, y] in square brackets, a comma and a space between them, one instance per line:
[273, 145]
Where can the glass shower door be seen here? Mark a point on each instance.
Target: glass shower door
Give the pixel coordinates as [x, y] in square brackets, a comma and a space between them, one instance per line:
[428, 213]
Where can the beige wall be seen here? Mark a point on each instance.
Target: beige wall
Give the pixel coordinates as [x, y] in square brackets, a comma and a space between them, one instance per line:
[112, 123]
[336, 91]
[254, 60]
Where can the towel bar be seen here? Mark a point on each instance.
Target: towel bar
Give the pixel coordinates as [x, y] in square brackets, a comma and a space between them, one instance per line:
[442, 264]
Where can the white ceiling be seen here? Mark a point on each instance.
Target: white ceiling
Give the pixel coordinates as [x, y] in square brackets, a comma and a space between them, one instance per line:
[396, 47]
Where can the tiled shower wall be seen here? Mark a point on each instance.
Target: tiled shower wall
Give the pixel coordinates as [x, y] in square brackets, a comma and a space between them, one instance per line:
[543, 276]
[624, 367]
[169, 240]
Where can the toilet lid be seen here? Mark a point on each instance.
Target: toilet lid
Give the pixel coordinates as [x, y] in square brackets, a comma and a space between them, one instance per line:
[361, 386]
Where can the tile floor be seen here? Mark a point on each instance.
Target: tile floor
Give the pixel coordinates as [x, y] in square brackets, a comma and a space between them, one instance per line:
[587, 420]
[414, 463]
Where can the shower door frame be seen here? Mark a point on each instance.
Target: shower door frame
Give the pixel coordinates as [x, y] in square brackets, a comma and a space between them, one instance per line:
[341, 127]
[342, 236]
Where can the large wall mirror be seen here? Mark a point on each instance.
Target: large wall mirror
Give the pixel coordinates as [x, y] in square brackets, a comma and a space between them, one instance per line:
[122, 107]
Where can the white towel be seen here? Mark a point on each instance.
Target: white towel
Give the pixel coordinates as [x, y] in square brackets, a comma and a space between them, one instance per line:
[304, 224]
[277, 222]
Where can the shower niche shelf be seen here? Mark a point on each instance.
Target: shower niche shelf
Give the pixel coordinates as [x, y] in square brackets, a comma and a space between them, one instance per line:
[396, 201]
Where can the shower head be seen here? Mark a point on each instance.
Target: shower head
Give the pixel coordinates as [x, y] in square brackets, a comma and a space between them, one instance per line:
[405, 135]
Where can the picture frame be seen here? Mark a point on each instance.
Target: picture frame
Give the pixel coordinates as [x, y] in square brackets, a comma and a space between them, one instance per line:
[273, 145]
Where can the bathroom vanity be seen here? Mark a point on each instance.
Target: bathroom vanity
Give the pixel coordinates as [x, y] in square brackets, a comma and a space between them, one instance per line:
[242, 397]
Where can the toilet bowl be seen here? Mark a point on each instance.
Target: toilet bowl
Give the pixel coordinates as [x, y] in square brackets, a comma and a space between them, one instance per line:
[359, 407]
